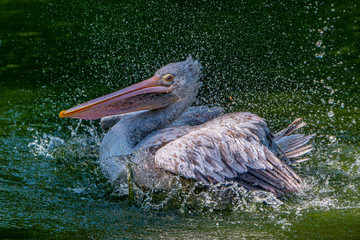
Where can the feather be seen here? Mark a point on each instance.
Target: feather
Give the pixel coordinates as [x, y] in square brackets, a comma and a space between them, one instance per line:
[236, 147]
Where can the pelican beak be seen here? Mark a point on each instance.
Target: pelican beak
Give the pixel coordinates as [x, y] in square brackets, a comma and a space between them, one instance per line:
[144, 95]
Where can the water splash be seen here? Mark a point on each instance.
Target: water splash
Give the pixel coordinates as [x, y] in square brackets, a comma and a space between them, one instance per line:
[44, 144]
[83, 137]
[190, 197]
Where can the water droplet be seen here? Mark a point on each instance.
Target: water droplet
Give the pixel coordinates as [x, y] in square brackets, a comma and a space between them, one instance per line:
[319, 43]
[319, 55]
[331, 114]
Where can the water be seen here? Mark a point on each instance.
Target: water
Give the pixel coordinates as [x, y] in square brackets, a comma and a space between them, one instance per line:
[277, 59]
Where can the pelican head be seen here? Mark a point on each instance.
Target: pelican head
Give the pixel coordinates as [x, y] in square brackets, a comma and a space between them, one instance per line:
[183, 77]
[174, 82]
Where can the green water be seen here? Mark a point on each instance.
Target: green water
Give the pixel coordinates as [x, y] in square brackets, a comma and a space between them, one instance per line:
[281, 60]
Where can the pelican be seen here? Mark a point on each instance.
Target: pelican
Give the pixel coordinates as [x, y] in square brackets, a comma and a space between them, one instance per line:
[156, 135]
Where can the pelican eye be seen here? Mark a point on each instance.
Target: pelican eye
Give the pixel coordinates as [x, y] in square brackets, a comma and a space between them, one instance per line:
[168, 77]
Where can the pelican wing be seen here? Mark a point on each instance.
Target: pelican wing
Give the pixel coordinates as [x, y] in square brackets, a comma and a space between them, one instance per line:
[182, 126]
[159, 138]
[197, 115]
[235, 146]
